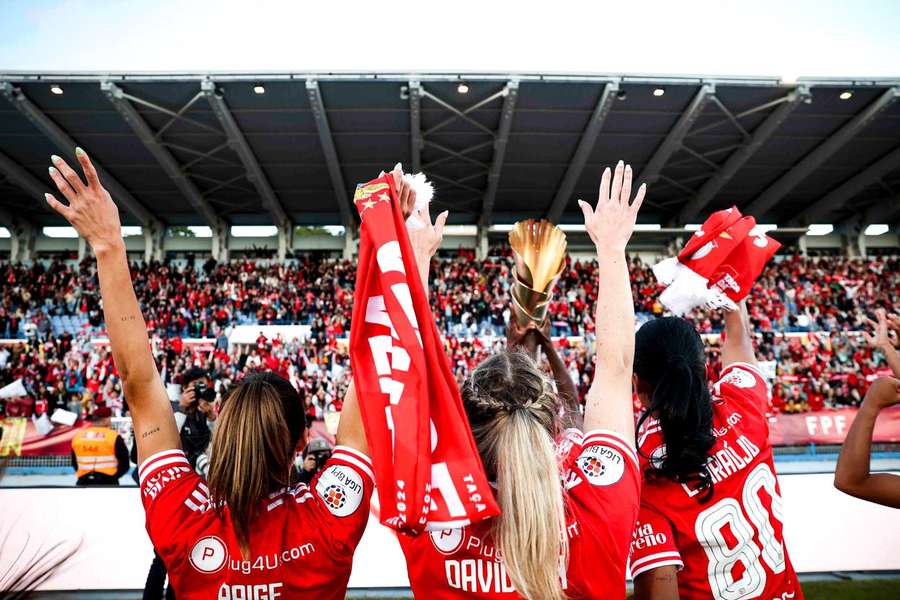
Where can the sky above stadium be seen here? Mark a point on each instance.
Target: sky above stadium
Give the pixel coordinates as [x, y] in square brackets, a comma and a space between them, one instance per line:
[797, 38]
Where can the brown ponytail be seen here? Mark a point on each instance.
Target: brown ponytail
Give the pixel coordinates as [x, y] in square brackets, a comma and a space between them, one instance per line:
[253, 448]
[512, 410]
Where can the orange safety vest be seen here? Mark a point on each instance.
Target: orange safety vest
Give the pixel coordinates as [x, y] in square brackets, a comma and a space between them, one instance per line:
[95, 450]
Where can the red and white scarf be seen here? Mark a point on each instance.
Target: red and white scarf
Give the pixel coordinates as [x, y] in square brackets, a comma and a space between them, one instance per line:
[428, 472]
[718, 265]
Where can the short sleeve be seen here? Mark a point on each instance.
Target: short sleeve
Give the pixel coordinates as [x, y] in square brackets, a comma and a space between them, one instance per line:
[602, 479]
[343, 489]
[744, 383]
[172, 494]
[653, 544]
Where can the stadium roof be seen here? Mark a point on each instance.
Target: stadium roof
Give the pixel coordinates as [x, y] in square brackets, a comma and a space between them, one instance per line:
[189, 149]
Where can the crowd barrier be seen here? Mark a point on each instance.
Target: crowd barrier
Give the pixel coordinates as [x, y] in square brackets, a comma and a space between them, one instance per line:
[22, 438]
[825, 531]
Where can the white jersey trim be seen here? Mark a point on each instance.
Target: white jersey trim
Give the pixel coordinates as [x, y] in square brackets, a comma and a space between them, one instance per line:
[159, 460]
[611, 438]
[356, 458]
[660, 559]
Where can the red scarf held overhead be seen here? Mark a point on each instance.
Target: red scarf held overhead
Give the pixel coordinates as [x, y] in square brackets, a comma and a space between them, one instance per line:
[428, 472]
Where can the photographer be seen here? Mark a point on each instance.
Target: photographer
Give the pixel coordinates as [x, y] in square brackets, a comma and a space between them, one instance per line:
[197, 404]
[316, 454]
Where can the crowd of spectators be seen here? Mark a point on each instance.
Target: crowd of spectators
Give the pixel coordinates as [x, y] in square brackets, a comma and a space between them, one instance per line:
[820, 303]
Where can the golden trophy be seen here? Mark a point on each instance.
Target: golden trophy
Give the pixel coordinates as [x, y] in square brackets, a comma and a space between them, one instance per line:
[539, 249]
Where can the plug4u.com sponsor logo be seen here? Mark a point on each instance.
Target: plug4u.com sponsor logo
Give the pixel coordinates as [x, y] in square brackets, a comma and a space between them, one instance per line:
[209, 555]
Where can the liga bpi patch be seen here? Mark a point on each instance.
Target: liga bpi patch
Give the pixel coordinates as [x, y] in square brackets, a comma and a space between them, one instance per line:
[739, 377]
[602, 465]
[341, 489]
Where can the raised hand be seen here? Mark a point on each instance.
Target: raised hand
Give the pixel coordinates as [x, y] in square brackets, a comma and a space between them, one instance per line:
[90, 208]
[881, 335]
[611, 223]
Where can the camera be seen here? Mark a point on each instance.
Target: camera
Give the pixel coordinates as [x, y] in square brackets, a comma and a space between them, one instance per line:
[202, 391]
[320, 450]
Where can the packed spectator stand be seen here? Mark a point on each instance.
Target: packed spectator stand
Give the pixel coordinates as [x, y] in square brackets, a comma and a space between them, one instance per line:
[808, 313]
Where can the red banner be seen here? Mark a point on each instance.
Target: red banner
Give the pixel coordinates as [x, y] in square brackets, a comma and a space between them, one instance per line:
[829, 427]
[21, 438]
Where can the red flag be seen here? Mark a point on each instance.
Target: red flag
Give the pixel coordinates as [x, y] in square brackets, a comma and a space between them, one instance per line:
[736, 274]
[428, 472]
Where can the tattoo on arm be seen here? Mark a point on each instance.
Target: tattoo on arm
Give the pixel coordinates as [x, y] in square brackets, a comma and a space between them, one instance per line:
[149, 432]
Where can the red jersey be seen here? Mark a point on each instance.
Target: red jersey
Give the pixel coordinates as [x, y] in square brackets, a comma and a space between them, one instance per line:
[730, 546]
[599, 471]
[301, 544]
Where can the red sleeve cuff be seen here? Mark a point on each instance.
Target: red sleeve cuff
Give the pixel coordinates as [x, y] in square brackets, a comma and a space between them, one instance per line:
[159, 461]
[654, 561]
[605, 437]
[355, 459]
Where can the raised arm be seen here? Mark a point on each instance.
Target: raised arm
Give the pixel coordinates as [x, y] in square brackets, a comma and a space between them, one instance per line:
[738, 343]
[425, 242]
[610, 225]
[93, 214]
[852, 475]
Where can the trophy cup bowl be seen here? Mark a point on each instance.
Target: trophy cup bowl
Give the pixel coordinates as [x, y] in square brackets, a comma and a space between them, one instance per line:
[539, 250]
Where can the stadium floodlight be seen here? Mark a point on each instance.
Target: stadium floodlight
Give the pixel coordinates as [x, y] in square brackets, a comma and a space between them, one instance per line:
[846, 95]
[201, 231]
[463, 88]
[789, 79]
[647, 227]
[55, 89]
[4, 233]
[241, 231]
[763, 228]
[503, 227]
[659, 92]
[259, 89]
[60, 232]
[461, 230]
[819, 229]
[876, 229]
[132, 230]
[573, 227]
[692, 227]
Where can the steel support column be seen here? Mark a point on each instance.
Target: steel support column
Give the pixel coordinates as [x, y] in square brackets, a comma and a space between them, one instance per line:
[415, 125]
[500, 141]
[812, 161]
[66, 146]
[675, 137]
[835, 199]
[740, 157]
[153, 243]
[220, 239]
[350, 243]
[239, 144]
[285, 240]
[331, 158]
[22, 238]
[582, 152]
[481, 242]
[116, 96]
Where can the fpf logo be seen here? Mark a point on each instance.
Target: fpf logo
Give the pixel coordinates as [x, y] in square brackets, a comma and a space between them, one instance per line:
[209, 555]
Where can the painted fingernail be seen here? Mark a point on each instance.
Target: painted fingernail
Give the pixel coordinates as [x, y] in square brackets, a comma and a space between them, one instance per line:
[398, 166]
[80, 152]
[55, 159]
[53, 171]
[48, 198]
[620, 163]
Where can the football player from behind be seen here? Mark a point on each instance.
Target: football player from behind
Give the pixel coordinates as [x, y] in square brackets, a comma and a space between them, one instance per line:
[710, 524]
